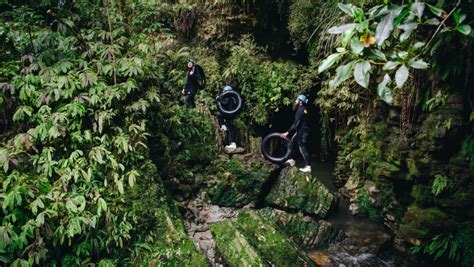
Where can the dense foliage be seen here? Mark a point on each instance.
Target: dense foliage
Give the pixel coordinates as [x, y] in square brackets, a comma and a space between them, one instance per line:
[81, 82]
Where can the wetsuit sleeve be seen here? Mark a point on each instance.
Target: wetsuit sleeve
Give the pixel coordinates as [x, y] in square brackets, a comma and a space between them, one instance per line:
[298, 116]
[187, 84]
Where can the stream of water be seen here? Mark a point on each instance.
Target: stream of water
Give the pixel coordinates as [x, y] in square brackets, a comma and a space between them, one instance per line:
[367, 243]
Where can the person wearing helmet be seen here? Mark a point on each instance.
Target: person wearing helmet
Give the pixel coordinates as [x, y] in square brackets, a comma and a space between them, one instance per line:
[226, 122]
[191, 87]
[301, 129]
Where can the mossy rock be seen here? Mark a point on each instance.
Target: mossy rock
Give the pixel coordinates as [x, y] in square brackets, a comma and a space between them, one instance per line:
[239, 181]
[303, 230]
[160, 220]
[465, 240]
[252, 240]
[301, 191]
[273, 245]
[233, 247]
[422, 195]
[383, 169]
[422, 223]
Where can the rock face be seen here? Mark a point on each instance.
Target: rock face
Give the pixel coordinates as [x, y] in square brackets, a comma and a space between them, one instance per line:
[160, 218]
[303, 230]
[233, 246]
[300, 191]
[239, 180]
[252, 240]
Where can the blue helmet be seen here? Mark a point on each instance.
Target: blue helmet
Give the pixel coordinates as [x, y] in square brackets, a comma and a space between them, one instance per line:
[227, 88]
[303, 98]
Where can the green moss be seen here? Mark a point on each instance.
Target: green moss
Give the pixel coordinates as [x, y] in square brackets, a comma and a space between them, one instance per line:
[233, 246]
[465, 240]
[159, 225]
[366, 208]
[413, 170]
[239, 182]
[422, 223]
[383, 169]
[304, 231]
[422, 195]
[269, 241]
[301, 191]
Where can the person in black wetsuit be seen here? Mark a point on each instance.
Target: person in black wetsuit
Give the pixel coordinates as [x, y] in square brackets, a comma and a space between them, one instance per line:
[191, 87]
[226, 122]
[301, 129]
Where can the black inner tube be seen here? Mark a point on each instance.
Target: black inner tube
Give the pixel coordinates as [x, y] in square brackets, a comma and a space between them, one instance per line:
[235, 102]
[276, 148]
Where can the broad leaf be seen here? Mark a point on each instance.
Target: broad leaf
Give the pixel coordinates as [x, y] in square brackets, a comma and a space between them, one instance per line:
[383, 91]
[432, 21]
[346, 8]
[342, 28]
[401, 76]
[436, 10]
[329, 61]
[418, 64]
[357, 46]
[408, 29]
[342, 74]
[379, 55]
[362, 73]
[384, 28]
[390, 65]
[418, 8]
[464, 29]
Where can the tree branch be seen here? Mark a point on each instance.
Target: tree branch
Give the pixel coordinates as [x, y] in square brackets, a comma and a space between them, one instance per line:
[442, 23]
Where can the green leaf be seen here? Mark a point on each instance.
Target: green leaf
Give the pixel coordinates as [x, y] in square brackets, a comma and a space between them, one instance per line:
[383, 91]
[362, 73]
[378, 54]
[418, 9]
[342, 28]
[408, 29]
[342, 74]
[418, 45]
[120, 186]
[458, 17]
[464, 29]
[436, 10]
[329, 61]
[71, 206]
[384, 28]
[346, 8]
[357, 46]
[432, 21]
[418, 64]
[390, 65]
[401, 76]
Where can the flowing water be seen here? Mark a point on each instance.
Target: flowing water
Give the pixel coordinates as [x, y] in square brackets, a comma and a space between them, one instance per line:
[367, 243]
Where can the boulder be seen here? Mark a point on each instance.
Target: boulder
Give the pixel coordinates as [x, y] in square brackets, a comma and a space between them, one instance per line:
[239, 180]
[252, 240]
[305, 231]
[301, 191]
[233, 247]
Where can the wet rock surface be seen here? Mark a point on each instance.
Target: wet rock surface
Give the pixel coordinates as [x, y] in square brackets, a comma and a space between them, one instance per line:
[199, 217]
[305, 231]
[302, 192]
[363, 245]
[239, 180]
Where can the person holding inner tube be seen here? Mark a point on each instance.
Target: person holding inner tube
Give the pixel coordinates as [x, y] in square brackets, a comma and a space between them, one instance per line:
[301, 129]
[226, 121]
[191, 87]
